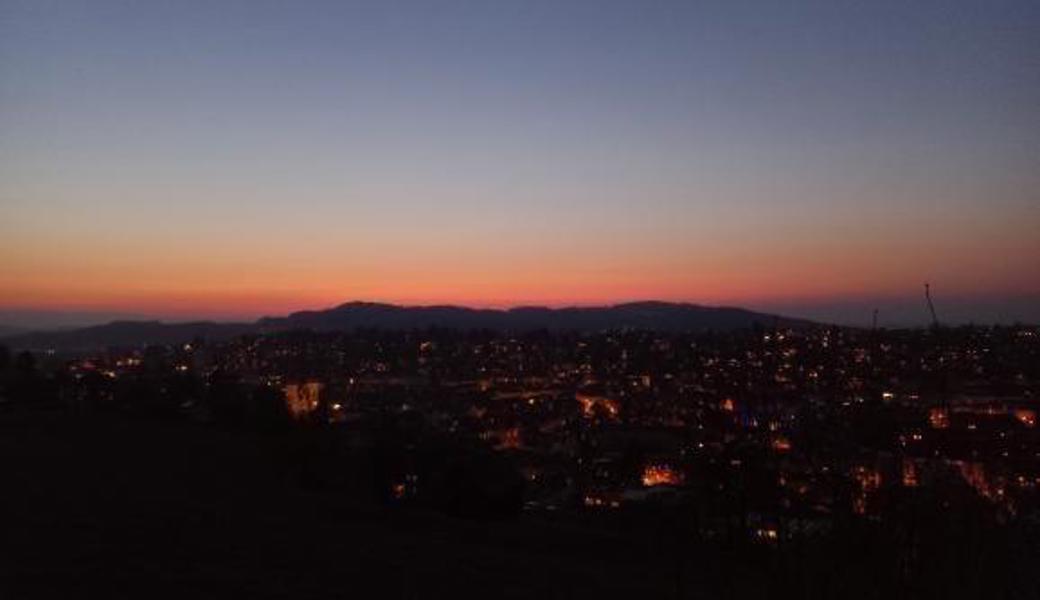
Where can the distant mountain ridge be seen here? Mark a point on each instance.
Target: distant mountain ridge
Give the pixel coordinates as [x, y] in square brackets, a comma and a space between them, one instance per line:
[6, 330]
[658, 316]
[125, 334]
[635, 315]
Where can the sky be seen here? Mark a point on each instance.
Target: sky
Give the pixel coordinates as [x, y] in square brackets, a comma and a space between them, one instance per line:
[228, 160]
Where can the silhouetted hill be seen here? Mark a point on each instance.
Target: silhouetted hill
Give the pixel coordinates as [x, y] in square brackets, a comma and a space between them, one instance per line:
[9, 330]
[660, 316]
[126, 334]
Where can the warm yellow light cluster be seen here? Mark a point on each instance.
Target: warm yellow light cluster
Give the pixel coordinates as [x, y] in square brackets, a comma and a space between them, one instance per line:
[592, 406]
[660, 474]
[1026, 417]
[302, 399]
[939, 418]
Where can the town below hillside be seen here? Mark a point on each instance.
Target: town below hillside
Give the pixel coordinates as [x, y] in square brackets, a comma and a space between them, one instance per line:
[820, 461]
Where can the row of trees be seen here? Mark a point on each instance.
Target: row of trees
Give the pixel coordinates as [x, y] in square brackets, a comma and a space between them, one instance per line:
[22, 382]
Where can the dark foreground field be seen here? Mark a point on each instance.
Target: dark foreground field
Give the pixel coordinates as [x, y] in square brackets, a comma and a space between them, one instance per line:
[107, 507]
[110, 506]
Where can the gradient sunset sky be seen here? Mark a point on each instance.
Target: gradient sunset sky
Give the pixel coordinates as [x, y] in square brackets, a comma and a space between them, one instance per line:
[230, 159]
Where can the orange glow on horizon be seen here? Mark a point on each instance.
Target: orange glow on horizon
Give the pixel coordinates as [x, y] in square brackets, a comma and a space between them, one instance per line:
[246, 273]
[221, 304]
[226, 288]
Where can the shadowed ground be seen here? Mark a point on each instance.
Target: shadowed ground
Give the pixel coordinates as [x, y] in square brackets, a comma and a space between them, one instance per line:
[132, 508]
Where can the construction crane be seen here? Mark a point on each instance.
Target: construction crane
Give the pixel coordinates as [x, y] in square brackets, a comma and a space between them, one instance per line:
[942, 374]
[931, 307]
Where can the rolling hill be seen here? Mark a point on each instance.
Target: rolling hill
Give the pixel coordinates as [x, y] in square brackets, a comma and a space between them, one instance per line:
[658, 316]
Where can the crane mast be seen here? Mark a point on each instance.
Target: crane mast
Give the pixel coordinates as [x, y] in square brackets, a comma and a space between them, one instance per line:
[931, 307]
